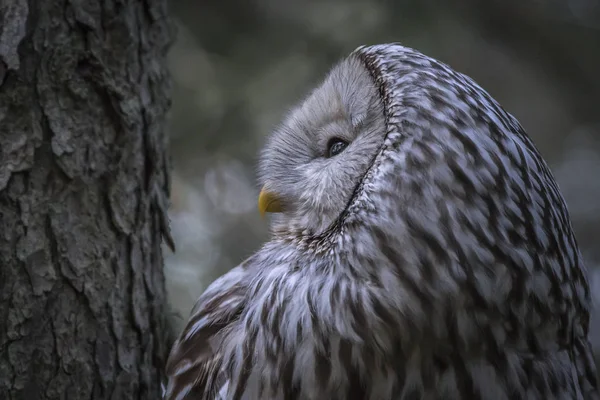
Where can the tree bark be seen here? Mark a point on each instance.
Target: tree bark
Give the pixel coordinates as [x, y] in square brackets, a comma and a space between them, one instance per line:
[84, 92]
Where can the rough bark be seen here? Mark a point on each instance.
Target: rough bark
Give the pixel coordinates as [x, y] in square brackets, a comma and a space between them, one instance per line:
[83, 186]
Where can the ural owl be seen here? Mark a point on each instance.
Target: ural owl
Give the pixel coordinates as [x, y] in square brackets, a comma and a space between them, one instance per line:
[420, 249]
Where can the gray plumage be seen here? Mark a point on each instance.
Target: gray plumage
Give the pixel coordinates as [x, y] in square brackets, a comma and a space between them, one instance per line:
[433, 258]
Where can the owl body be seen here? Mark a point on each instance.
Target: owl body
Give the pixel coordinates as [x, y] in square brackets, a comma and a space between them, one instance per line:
[420, 249]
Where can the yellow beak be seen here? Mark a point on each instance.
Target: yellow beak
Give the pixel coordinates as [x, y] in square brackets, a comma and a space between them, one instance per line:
[268, 202]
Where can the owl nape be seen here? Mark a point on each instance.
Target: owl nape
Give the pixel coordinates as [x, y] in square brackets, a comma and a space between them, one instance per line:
[420, 249]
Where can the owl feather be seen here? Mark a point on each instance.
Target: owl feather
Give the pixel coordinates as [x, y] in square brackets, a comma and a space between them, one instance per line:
[420, 249]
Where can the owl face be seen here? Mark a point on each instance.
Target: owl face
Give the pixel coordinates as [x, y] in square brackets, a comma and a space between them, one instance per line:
[312, 164]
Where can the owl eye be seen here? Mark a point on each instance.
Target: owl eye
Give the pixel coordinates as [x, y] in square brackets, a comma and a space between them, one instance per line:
[336, 146]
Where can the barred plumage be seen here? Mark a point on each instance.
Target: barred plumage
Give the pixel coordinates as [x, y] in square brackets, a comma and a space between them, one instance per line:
[432, 258]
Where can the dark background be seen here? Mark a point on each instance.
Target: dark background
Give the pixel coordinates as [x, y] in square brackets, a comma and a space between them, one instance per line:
[238, 66]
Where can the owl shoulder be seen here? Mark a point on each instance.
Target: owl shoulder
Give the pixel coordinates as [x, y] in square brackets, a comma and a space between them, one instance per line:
[195, 364]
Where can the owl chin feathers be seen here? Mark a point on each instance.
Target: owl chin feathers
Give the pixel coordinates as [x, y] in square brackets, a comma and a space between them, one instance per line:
[421, 249]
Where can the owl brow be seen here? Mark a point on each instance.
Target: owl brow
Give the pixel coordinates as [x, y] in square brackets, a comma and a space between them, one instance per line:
[339, 115]
[325, 131]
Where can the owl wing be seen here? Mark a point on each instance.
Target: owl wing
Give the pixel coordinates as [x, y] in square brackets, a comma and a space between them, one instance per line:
[195, 365]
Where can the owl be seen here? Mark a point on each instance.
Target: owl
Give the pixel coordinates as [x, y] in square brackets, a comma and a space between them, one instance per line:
[420, 249]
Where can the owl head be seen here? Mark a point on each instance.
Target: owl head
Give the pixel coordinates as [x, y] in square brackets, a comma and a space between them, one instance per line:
[312, 164]
[397, 151]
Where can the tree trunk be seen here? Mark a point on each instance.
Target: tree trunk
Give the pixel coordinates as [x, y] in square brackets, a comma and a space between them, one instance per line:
[84, 91]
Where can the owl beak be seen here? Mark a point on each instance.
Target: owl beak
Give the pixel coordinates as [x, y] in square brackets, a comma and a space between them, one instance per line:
[268, 202]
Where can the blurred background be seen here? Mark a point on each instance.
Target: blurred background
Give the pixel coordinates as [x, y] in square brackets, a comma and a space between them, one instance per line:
[238, 67]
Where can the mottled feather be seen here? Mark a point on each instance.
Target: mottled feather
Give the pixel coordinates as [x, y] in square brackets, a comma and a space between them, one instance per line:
[433, 258]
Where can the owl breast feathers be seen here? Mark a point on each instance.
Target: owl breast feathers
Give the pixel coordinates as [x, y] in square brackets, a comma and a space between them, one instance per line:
[420, 249]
